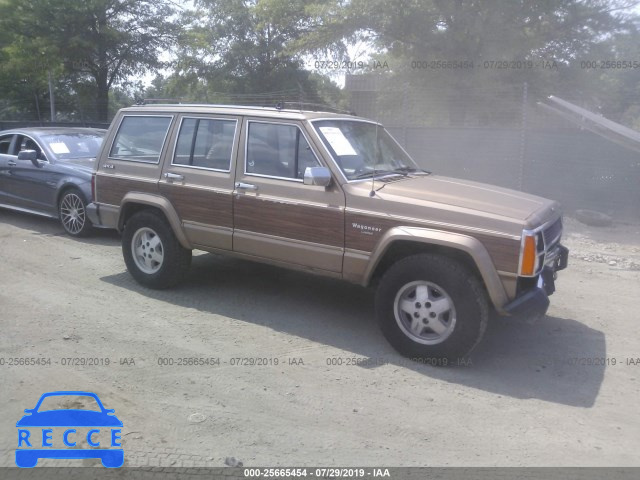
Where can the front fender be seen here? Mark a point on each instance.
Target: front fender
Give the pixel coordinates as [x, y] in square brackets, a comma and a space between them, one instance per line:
[84, 185]
[464, 243]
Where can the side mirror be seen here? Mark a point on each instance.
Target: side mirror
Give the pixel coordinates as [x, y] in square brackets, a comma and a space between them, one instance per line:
[30, 155]
[28, 410]
[317, 176]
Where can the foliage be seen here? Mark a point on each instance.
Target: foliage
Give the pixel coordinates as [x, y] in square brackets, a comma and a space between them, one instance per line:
[233, 48]
[94, 43]
[539, 42]
[254, 51]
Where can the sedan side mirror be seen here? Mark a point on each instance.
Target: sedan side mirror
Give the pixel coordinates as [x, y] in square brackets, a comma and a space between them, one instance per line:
[30, 155]
[318, 176]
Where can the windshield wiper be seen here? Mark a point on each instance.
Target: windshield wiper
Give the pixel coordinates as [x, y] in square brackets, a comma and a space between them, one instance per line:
[408, 170]
[378, 172]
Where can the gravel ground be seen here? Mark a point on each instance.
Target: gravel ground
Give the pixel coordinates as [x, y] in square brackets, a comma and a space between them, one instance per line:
[561, 392]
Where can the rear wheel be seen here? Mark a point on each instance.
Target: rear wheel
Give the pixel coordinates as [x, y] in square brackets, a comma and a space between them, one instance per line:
[72, 210]
[431, 308]
[152, 253]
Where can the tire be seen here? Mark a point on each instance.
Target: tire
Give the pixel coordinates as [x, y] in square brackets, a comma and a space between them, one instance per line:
[425, 291]
[72, 212]
[152, 253]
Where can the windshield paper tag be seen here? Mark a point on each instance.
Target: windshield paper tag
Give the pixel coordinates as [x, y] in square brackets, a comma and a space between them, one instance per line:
[59, 148]
[338, 141]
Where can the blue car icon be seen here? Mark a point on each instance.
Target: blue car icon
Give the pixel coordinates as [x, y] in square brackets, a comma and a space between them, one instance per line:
[35, 431]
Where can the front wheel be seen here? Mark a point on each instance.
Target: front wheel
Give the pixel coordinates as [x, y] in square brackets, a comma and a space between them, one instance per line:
[431, 308]
[72, 210]
[152, 253]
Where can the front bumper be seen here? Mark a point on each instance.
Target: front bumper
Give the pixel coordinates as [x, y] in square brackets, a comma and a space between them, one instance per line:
[535, 301]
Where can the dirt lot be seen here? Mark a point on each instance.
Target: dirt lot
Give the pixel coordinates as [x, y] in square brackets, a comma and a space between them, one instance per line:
[563, 391]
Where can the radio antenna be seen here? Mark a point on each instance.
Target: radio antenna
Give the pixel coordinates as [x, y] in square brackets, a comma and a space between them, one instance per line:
[372, 193]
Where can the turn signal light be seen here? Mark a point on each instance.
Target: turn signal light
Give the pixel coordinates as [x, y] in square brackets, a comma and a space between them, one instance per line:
[528, 265]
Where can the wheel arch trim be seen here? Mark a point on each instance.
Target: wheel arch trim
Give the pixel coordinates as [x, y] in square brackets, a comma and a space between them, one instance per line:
[162, 204]
[71, 183]
[464, 243]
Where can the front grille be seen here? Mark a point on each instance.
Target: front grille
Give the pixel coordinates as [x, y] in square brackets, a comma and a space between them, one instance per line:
[552, 234]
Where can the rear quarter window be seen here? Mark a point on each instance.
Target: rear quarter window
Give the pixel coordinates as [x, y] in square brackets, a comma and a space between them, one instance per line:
[140, 138]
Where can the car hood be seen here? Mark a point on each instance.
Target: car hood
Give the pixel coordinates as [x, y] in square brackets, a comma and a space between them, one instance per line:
[439, 198]
[69, 418]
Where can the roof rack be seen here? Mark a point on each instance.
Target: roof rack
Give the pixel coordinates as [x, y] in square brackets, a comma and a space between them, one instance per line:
[280, 105]
[314, 107]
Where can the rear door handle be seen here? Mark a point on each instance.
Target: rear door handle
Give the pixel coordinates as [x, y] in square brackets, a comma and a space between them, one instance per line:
[173, 176]
[11, 163]
[246, 186]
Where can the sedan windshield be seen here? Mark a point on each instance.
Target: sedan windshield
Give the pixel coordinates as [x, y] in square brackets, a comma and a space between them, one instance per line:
[73, 145]
[363, 149]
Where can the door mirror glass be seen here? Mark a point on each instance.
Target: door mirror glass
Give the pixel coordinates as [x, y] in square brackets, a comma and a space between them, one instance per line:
[318, 176]
[29, 155]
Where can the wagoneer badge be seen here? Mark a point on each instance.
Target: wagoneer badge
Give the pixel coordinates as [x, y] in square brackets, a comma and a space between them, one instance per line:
[366, 229]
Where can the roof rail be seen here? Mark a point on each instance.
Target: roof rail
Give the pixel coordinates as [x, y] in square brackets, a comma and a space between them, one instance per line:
[280, 105]
[314, 107]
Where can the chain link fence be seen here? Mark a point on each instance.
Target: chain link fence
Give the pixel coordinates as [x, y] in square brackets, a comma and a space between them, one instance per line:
[503, 136]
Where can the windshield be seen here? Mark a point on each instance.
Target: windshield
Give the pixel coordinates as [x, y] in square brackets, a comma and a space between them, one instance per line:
[73, 145]
[363, 149]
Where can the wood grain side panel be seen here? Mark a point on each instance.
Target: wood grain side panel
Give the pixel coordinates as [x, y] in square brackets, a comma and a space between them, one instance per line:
[363, 233]
[308, 223]
[200, 205]
[111, 190]
[358, 238]
[504, 252]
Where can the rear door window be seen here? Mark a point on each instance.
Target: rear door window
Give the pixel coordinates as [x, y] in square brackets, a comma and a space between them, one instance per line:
[205, 143]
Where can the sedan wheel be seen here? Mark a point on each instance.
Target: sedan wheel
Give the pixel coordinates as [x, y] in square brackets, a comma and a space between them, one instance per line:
[73, 214]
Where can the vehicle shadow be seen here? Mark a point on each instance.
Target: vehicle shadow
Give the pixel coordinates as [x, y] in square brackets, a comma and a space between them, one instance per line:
[50, 227]
[515, 359]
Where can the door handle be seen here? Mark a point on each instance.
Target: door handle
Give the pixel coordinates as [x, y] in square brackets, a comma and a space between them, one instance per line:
[11, 163]
[246, 186]
[173, 176]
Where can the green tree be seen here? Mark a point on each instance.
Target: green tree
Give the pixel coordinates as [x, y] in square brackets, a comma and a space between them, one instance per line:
[96, 43]
[479, 31]
[238, 47]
